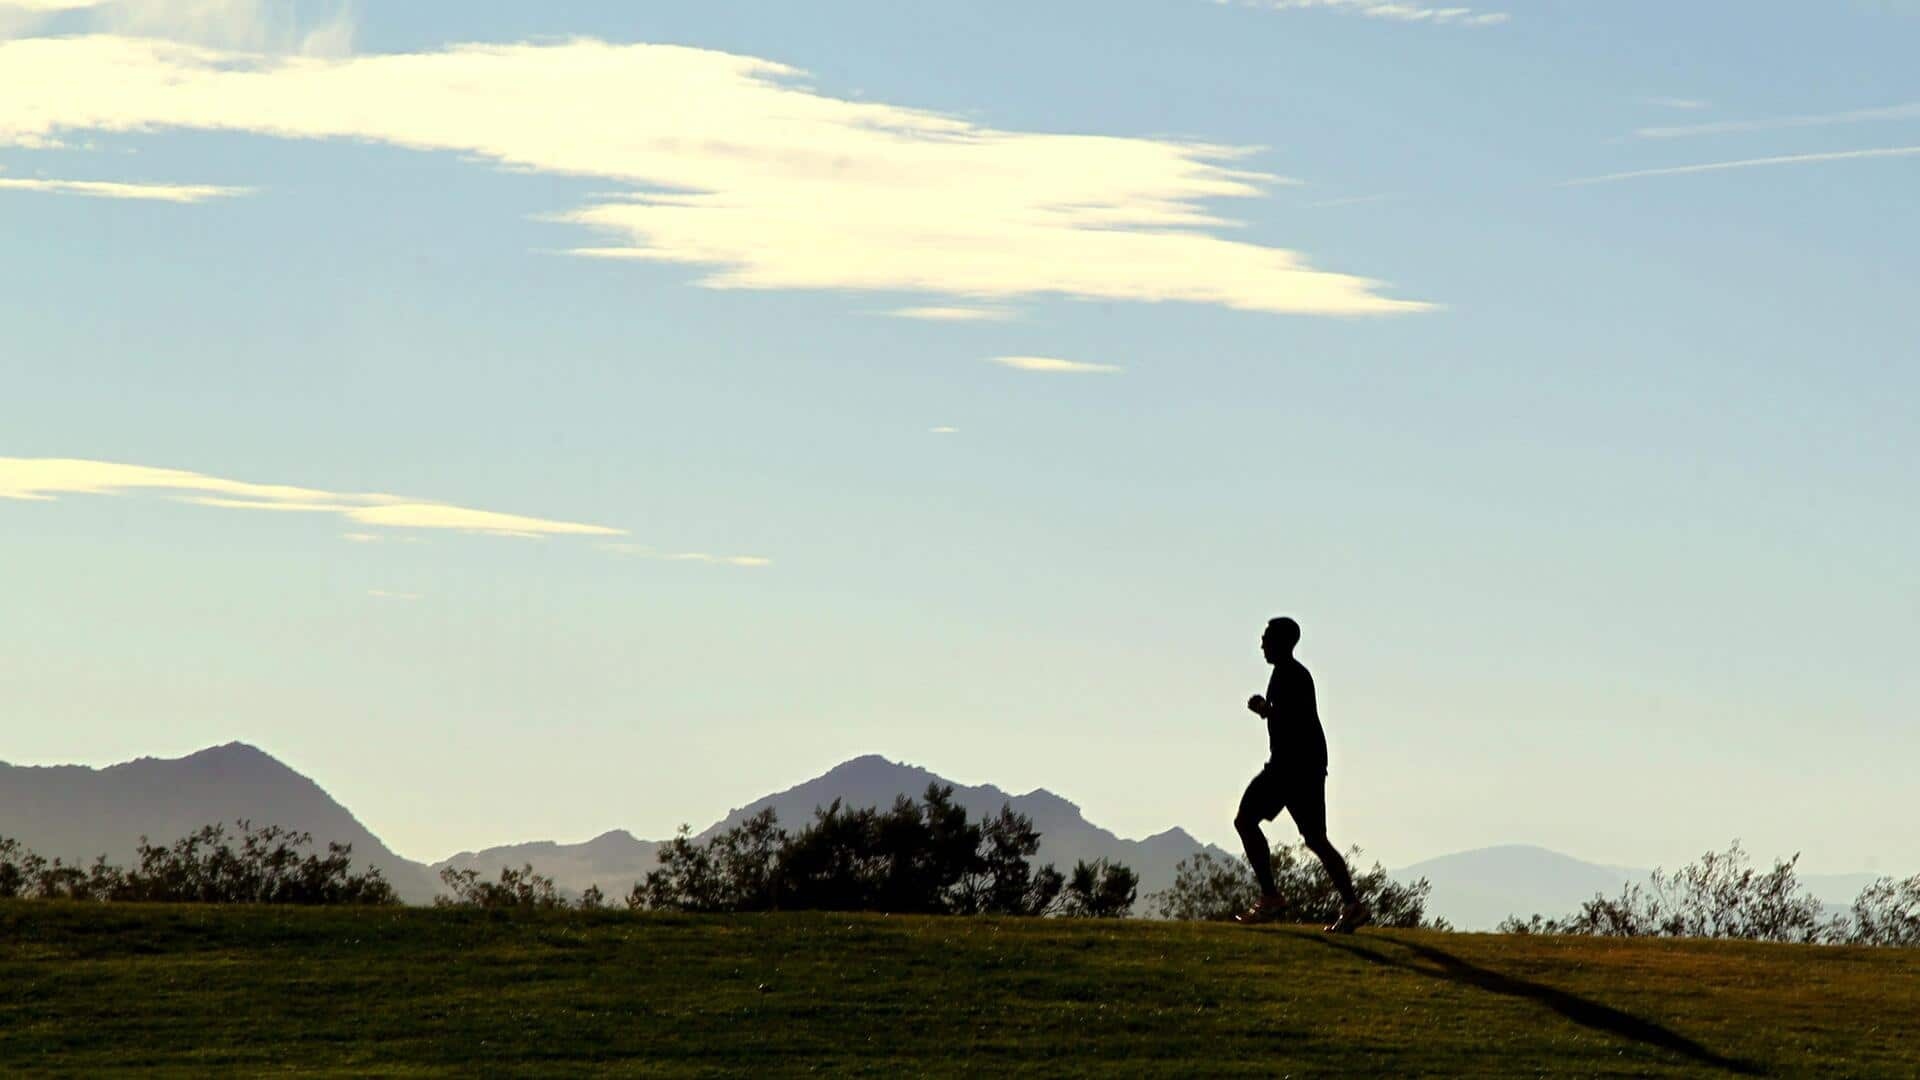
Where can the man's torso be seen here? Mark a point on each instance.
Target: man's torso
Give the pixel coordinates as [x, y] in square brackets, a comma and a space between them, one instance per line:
[1294, 735]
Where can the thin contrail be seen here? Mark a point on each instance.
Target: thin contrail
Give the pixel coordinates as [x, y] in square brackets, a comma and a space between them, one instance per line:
[1749, 163]
[1776, 123]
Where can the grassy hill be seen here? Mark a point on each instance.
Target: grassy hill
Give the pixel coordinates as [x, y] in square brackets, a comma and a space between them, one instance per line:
[190, 990]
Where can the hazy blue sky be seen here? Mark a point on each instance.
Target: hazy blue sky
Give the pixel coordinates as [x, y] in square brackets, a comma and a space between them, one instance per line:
[530, 420]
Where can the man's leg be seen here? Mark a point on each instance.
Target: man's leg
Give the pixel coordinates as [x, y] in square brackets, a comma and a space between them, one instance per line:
[1261, 803]
[1309, 808]
[1336, 867]
[1259, 855]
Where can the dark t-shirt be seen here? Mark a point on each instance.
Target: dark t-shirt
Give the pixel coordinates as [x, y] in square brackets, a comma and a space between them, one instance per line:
[1294, 735]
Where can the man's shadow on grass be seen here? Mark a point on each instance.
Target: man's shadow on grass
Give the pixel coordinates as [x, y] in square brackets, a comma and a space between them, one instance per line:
[1588, 1014]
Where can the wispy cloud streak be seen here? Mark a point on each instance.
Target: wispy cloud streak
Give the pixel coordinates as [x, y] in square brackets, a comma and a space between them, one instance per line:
[1909, 111]
[1393, 10]
[1748, 163]
[1352, 200]
[1054, 366]
[937, 313]
[639, 551]
[46, 479]
[106, 189]
[1683, 104]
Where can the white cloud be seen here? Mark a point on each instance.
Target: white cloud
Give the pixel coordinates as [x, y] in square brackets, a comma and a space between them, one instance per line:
[944, 430]
[1748, 163]
[1908, 111]
[732, 165]
[104, 189]
[419, 515]
[641, 552]
[1383, 9]
[45, 479]
[936, 313]
[1052, 365]
[386, 595]
[361, 538]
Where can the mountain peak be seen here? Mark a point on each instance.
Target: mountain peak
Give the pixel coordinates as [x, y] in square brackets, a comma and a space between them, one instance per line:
[1067, 837]
[237, 759]
[616, 843]
[869, 765]
[1041, 798]
[232, 751]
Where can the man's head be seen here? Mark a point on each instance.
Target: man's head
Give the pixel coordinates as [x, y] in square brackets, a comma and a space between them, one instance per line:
[1278, 642]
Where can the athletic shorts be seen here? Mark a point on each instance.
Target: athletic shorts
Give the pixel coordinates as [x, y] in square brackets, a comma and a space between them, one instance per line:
[1301, 793]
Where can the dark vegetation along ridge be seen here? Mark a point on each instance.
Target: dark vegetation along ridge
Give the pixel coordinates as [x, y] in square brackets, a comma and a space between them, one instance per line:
[924, 857]
[615, 860]
[251, 950]
[239, 989]
[77, 813]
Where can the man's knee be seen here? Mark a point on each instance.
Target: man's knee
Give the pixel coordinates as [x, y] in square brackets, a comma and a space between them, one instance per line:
[1245, 822]
[1317, 842]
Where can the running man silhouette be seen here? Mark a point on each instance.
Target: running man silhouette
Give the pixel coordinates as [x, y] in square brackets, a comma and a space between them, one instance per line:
[1295, 780]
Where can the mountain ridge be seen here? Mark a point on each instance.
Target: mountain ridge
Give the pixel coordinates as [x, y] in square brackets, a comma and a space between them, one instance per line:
[1478, 888]
[867, 780]
[77, 812]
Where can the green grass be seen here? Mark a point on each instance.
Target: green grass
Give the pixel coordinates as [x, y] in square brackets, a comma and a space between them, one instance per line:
[194, 990]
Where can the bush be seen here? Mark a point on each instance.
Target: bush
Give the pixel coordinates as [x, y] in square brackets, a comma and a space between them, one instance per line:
[1719, 896]
[520, 889]
[921, 857]
[1887, 913]
[203, 867]
[1099, 890]
[905, 860]
[734, 871]
[267, 868]
[1206, 887]
[29, 876]
[34, 877]
[999, 878]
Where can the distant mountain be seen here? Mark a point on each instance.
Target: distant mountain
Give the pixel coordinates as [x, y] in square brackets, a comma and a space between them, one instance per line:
[613, 861]
[77, 813]
[1837, 890]
[1065, 835]
[1475, 890]
[616, 860]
